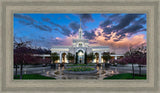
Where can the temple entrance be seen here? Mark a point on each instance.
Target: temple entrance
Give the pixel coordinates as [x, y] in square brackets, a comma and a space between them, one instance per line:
[97, 58]
[80, 57]
[64, 58]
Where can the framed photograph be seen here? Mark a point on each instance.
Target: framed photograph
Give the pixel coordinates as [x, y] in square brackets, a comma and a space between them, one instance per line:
[80, 46]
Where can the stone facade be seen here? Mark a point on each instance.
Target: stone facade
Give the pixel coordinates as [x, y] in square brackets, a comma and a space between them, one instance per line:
[79, 47]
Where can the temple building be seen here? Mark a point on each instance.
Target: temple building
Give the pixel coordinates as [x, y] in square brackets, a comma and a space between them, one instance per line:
[79, 47]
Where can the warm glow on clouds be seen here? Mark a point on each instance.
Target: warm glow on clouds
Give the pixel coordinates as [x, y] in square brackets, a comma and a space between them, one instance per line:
[67, 40]
[118, 31]
[108, 26]
[119, 47]
[58, 38]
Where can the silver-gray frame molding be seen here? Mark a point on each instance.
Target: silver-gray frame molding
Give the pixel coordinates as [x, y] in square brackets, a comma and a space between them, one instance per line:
[9, 7]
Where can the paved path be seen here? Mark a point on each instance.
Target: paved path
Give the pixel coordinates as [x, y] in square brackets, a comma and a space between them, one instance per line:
[32, 70]
[50, 72]
[128, 69]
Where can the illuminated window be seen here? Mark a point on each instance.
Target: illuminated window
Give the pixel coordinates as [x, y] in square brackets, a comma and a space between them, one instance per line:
[80, 44]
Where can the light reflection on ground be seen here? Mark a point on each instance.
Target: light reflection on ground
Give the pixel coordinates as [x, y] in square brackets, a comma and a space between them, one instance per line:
[58, 74]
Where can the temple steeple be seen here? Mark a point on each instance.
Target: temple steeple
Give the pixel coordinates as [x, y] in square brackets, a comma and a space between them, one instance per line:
[80, 31]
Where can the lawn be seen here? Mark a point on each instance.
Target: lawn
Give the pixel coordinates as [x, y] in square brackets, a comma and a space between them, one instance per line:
[126, 76]
[32, 76]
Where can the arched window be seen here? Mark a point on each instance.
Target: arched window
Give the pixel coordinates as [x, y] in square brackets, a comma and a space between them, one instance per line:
[80, 44]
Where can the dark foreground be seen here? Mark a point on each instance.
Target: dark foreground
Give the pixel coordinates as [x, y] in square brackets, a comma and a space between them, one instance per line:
[33, 76]
[126, 76]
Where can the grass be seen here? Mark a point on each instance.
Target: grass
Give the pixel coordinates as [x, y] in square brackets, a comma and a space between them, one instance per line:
[32, 76]
[126, 76]
[80, 69]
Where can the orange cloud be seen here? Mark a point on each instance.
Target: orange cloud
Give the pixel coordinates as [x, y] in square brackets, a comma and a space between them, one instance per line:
[119, 47]
[68, 39]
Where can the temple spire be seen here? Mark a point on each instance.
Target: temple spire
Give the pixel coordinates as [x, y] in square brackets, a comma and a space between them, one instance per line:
[80, 23]
[80, 31]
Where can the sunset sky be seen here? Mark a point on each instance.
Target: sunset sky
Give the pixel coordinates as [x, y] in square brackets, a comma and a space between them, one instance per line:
[118, 31]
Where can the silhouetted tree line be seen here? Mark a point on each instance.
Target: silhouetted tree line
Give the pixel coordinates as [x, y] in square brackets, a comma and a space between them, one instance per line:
[41, 51]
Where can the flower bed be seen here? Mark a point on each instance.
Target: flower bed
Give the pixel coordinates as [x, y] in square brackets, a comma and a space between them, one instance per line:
[77, 69]
[80, 70]
[80, 65]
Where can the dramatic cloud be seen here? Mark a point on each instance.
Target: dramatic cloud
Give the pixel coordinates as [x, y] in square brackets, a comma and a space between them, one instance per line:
[125, 21]
[25, 17]
[49, 42]
[74, 26]
[24, 22]
[49, 21]
[113, 17]
[127, 25]
[89, 35]
[43, 27]
[105, 23]
[121, 46]
[104, 15]
[130, 30]
[67, 40]
[27, 20]
[56, 29]
[57, 41]
[141, 21]
[86, 18]
[62, 29]
[65, 30]
[118, 31]
[46, 19]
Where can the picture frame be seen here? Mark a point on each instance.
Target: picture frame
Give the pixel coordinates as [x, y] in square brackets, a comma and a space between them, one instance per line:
[150, 7]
